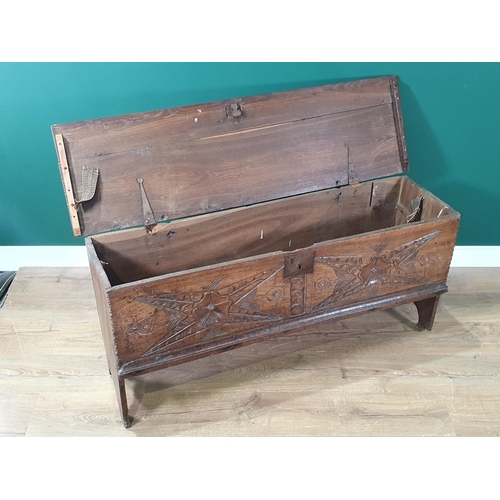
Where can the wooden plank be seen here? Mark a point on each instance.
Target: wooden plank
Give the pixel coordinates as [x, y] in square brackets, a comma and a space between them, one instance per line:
[200, 177]
[16, 410]
[283, 225]
[57, 328]
[379, 378]
[298, 145]
[118, 134]
[182, 352]
[68, 187]
[101, 284]
[164, 314]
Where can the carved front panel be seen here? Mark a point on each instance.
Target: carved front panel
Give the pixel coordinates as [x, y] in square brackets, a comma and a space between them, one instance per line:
[371, 274]
[216, 309]
[177, 312]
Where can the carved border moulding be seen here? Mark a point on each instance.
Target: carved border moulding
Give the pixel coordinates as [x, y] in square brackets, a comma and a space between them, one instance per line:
[298, 295]
[367, 274]
[189, 317]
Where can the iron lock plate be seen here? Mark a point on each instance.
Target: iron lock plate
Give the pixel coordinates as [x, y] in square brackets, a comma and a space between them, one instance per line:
[299, 263]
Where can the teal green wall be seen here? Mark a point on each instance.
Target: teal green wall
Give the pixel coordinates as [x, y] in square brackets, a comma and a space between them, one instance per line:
[451, 114]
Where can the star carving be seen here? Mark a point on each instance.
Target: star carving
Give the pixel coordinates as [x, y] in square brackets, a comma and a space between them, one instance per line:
[357, 273]
[212, 308]
[205, 313]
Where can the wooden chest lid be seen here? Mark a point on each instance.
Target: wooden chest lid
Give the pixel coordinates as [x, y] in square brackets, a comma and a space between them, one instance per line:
[143, 168]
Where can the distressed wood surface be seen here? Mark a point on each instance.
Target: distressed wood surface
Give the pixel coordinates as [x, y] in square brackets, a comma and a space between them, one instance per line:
[179, 298]
[218, 303]
[101, 284]
[206, 158]
[283, 225]
[377, 376]
[258, 111]
[431, 205]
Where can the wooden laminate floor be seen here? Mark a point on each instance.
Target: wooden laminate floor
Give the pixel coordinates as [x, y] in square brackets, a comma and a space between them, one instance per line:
[374, 375]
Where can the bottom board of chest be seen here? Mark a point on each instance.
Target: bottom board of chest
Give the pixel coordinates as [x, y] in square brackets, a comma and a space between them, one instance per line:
[203, 285]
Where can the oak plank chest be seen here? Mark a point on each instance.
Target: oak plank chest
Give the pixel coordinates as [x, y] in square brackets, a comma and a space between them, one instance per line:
[213, 226]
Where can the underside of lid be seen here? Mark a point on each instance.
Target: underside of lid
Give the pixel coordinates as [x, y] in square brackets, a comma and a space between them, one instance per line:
[157, 166]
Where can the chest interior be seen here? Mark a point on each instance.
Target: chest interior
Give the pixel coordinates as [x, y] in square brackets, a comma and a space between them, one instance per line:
[278, 226]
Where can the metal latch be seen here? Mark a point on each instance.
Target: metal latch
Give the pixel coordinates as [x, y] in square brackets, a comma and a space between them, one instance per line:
[147, 211]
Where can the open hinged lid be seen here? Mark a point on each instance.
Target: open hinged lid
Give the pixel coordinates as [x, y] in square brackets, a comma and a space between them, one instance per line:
[143, 168]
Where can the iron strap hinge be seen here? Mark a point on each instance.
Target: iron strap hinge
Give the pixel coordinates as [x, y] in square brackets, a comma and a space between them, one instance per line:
[147, 211]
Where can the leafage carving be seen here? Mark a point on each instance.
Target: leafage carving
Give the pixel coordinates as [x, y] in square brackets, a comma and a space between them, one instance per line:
[369, 274]
[208, 312]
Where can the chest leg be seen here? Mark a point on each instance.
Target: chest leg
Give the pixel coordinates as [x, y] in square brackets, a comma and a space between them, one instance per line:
[119, 383]
[426, 312]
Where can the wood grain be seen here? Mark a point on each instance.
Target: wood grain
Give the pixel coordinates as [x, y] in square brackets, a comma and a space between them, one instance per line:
[176, 124]
[198, 160]
[377, 376]
[246, 289]
[232, 279]
[177, 310]
[282, 225]
[432, 206]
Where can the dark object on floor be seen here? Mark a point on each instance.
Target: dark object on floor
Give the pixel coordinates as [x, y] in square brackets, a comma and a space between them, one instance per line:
[6, 278]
